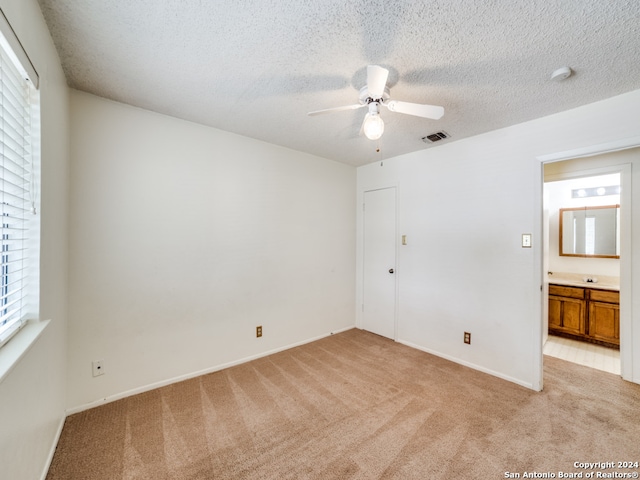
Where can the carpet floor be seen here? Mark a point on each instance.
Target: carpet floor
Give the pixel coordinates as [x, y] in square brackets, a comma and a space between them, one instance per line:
[357, 406]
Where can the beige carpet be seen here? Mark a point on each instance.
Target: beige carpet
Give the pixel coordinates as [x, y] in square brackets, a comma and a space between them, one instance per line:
[355, 406]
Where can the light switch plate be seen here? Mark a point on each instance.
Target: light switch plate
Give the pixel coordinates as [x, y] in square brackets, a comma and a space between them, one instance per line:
[526, 240]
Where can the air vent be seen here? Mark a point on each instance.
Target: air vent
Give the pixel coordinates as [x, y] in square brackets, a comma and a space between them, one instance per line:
[435, 137]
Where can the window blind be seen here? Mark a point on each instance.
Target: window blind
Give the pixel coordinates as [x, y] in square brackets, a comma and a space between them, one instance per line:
[16, 181]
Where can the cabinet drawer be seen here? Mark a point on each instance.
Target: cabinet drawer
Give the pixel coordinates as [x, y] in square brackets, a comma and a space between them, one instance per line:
[608, 296]
[562, 291]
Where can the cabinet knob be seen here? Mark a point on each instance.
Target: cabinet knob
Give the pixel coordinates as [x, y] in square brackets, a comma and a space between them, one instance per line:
[391, 270]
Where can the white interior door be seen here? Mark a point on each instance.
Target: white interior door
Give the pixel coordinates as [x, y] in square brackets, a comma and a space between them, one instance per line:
[379, 276]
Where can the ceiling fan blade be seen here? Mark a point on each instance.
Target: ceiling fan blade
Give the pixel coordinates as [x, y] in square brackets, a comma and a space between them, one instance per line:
[427, 111]
[336, 109]
[376, 80]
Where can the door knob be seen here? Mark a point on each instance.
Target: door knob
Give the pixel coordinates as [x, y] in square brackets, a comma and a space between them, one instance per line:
[391, 270]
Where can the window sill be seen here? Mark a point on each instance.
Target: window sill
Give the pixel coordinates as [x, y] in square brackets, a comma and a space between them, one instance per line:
[15, 349]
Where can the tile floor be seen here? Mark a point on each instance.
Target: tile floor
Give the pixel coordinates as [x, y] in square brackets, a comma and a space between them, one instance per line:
[588, 354]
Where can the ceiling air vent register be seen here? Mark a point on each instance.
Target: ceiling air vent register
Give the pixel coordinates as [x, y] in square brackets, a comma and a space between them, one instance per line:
[435, 137]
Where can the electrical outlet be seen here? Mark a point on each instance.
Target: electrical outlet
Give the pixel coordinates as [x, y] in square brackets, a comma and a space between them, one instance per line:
[98, 367]
[467, 338]
[259, 331]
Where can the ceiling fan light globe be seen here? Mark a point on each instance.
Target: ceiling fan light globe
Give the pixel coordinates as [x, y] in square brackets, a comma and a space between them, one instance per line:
[373, 127]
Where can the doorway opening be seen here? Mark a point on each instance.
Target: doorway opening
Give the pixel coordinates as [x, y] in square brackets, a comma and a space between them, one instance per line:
[582, 287]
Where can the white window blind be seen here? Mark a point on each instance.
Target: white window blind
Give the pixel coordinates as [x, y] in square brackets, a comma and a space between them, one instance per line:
[16, 184]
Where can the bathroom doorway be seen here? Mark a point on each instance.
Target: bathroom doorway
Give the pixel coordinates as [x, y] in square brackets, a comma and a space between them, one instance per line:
[575, 283]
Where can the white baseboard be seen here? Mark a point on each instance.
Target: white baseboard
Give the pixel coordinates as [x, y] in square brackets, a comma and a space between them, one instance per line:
[52, 451]
[517, 381]
[163, 383]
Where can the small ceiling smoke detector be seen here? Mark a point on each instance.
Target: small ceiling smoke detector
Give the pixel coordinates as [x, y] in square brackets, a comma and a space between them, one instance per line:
[561, 74]
[435, 137]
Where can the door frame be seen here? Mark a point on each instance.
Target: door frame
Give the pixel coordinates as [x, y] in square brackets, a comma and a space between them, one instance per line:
[627, 344]
[360, 258]
[624, 170]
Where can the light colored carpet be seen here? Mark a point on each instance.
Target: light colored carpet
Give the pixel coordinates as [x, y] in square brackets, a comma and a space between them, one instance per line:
[355, 406]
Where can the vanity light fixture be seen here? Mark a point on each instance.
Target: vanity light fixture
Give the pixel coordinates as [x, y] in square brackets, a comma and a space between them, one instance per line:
[595, 191]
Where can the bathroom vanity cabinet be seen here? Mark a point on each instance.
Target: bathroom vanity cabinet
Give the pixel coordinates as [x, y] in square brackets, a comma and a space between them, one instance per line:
[587, 314]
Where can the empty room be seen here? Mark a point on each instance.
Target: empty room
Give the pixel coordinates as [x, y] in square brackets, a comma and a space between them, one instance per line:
[320, 240]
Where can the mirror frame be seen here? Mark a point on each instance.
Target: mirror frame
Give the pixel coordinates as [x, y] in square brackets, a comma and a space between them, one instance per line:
[584, 255]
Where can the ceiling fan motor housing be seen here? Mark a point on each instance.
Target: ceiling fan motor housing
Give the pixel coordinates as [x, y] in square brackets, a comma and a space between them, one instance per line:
[366, 99]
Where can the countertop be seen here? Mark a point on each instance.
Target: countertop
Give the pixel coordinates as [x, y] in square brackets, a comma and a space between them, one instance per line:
[602, 282]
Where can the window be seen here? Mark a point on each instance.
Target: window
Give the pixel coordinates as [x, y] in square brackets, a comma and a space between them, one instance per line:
[18, 110]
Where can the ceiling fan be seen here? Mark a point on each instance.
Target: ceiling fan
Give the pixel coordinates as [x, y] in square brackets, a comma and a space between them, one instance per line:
[375, 94]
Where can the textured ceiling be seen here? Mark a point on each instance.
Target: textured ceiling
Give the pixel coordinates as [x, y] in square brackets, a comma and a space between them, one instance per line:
[257, 67]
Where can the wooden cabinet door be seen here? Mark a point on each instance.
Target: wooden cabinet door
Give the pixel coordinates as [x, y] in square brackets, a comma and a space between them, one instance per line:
[573, 316]
[555, 313]
[567, 315]
[604, 322]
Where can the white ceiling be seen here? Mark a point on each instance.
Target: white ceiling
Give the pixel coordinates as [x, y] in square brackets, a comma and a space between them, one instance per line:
[257, 67]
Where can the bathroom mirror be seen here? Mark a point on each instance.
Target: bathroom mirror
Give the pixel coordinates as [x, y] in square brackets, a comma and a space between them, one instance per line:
[590, 231]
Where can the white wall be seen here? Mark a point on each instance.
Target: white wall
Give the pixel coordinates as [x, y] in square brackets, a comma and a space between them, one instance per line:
[464, 207]
[185, 238]
[33, 394]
